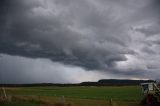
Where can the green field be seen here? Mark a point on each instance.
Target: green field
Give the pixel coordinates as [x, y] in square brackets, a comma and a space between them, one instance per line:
[18, 104]
[80, 95]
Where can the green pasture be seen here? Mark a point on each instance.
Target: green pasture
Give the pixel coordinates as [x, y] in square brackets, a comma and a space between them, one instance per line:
[79, 95]
[117, 93]
[18, 104]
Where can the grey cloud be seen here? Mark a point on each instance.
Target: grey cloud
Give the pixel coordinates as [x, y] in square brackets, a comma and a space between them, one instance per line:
[31, 32]
[15, 69]
[90, 34]
[152, 30]
[148, 50]
[156, 42]
[20, 70]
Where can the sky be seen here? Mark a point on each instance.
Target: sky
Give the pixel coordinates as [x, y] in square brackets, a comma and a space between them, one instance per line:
[70, 41]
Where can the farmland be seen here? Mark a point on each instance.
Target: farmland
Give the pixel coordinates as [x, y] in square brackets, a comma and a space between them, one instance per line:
[79, 96]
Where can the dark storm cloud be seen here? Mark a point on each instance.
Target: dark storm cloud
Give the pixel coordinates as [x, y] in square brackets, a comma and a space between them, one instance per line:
[30, 32]
[91, 34]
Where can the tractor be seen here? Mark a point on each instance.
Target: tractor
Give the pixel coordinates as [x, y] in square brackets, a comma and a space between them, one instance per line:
[151, 94]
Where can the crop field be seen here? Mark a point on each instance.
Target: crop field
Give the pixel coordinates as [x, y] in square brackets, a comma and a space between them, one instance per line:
[76, 96]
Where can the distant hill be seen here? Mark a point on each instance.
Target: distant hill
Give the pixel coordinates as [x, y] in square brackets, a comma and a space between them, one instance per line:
[107, 82]
[102, 82]
[123, 81]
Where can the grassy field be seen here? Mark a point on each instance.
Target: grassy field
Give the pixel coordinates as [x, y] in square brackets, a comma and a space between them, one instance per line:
[81, 96]
[18, 104]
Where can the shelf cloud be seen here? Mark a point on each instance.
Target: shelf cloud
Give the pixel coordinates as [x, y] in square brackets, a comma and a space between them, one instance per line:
[118, 37]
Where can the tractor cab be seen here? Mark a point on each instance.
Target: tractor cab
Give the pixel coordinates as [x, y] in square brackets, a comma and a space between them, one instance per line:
[149, 88]
[151, 94]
